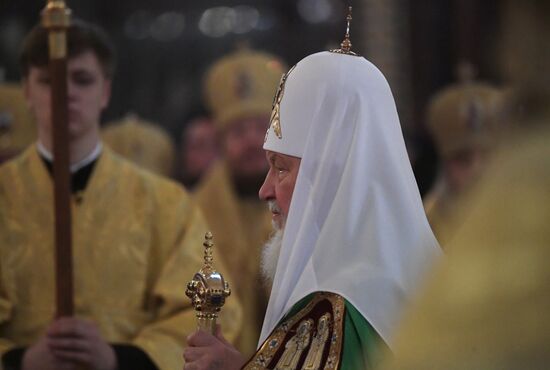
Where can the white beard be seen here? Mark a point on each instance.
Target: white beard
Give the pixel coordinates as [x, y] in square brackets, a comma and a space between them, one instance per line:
[270, 256]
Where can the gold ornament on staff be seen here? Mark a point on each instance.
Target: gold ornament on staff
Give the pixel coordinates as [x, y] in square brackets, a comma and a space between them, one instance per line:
[56, 18]
[207, 290]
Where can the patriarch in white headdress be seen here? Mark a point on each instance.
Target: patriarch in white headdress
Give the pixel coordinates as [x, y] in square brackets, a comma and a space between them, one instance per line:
[355, 239]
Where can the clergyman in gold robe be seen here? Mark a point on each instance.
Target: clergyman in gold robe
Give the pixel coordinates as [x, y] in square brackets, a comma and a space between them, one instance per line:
[463, 120]
[487, 305]
[137, 238]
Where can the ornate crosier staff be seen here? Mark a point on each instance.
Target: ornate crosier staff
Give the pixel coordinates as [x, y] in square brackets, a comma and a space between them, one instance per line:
[56, 19]
[207, 290]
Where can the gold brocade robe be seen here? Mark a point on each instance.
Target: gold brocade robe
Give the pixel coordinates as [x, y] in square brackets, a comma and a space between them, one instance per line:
[442, 212]
[137, 241]
[240, 229]
[486, 306]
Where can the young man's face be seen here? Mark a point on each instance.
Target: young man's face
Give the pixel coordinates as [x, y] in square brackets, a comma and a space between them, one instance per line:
[88, 93]
[279, 184]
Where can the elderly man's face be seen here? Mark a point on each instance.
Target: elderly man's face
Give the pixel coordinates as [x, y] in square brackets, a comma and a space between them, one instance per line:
[279, 184]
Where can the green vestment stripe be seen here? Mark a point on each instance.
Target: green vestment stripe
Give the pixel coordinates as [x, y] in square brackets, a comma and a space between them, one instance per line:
[363, 347]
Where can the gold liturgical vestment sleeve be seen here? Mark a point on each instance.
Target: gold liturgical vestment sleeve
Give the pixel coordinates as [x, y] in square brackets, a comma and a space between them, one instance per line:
[137, 241]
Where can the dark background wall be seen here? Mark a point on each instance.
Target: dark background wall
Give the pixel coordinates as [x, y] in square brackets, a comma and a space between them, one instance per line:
[164, 46]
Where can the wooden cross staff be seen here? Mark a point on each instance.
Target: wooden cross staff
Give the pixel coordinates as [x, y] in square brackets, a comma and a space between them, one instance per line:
[56, 19]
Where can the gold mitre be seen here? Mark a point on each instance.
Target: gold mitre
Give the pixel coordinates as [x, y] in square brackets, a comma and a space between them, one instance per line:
[16, 124]
[242, 84]
[464, 115]
[142, 142]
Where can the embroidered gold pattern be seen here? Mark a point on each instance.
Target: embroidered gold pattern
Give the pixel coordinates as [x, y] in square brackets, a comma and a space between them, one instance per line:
[275, 120]
[295, 346]
[315, 354]
[323, 338]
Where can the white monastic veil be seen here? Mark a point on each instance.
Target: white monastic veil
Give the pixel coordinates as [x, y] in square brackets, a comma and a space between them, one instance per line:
[356, 225]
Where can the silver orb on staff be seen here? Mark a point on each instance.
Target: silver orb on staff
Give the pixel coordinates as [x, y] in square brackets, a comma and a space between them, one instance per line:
[208, 290]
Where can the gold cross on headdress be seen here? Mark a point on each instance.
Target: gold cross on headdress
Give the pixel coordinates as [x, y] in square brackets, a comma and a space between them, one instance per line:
[345, 46]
